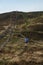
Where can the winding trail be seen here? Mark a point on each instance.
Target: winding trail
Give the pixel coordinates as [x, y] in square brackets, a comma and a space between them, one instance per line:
[10, 32]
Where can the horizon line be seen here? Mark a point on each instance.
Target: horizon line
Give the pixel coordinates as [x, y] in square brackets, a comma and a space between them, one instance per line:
[21, 11]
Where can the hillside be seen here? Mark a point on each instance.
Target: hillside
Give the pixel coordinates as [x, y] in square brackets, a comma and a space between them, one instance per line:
[14, 27]
[18, 16]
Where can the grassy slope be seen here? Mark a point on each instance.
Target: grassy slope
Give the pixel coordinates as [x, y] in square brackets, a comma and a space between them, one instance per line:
[15, 50]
